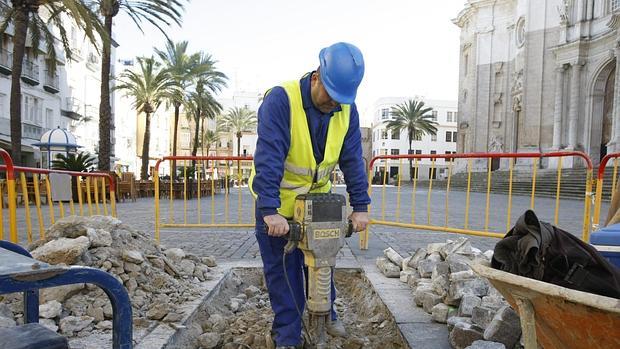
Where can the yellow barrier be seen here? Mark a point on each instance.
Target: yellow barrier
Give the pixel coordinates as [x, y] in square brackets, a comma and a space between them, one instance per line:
[432, 161]
[206, 177]
[28, 185]
[596, 216]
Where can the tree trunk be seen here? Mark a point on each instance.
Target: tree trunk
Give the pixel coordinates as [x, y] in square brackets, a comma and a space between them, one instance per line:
[145, 148]
[410, 162]
[239, 135]
[195, 147]
[173, 173]
[22, 15]
[105, 110]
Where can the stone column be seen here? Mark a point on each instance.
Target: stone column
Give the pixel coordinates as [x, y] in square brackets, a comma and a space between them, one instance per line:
[573, 112]
[557, 115]
[613, 146]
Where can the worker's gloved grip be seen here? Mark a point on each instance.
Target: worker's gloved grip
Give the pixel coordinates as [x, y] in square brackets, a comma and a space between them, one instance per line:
[349, 229]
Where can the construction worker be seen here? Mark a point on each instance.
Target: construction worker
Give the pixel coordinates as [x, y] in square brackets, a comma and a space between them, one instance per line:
[305, 128]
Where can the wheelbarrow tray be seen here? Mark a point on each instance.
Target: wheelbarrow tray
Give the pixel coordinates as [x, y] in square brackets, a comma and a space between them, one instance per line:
[555, 316]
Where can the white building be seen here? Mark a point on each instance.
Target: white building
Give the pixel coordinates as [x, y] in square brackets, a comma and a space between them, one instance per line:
[539, 75]
[385, 142]
[68, 98]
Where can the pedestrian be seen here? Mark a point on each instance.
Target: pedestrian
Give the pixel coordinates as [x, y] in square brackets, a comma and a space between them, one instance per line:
[305, 128]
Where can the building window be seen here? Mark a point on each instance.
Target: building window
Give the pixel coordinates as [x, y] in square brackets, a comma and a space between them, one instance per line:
[451, 117]
[434, 115]
[418, 151]
[395, 134]
[32, 110]
[432, 173]
[49, 118]
[434, 137]
[385, 113]
[454, 136]
[395, 152]
[3, 114]
[465, 64]
[433, 152]
[383, 151]
[384, 134]
[448, 136]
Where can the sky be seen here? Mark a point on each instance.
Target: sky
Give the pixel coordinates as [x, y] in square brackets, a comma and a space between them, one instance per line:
[410, 47]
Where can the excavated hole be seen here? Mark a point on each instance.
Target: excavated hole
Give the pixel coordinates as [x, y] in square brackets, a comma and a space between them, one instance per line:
[367, 320]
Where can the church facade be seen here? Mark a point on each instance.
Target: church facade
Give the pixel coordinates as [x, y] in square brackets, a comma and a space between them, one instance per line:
[539, 76]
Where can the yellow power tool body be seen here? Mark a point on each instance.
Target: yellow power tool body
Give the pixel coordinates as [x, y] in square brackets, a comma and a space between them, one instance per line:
[319, 229]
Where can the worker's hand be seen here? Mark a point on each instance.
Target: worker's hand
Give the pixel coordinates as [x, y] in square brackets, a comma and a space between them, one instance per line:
[277, 225]
[359, 220]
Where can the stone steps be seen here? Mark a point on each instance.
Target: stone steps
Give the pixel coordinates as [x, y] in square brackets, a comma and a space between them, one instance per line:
[572, 181]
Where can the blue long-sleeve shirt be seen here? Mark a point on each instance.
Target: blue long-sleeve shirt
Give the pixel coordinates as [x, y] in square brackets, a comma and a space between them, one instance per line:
[274, 140]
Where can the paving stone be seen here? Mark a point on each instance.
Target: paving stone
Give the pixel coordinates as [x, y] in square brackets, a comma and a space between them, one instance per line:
[430, 300]
[486, 345]
[505, 328]
[439, 313]
[463, 335]
[482, 316]
[388, 268]
[468, 302]
[440, 269]
[419, 255]
[458, 263]
[426, 267]
[453, 320]
[393, 256]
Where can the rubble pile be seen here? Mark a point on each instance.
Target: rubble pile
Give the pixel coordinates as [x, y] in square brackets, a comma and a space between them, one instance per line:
[158, 280]
[239, 315]
[445, 286]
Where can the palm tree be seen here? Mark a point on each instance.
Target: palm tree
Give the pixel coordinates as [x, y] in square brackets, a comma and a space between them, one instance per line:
[237, 121]
[26, 19]
[148, 88]
[185, 69]
[201, 104]
[209, 137]
[156, 12]
[416, 119]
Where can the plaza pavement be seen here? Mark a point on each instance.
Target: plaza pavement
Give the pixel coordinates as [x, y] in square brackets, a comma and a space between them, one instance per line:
[240, 244]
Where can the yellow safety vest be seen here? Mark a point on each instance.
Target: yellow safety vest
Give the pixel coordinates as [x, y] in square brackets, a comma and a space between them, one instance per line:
[301, 173]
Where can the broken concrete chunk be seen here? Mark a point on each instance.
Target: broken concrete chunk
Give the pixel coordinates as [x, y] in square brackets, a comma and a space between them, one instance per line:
[440, 285]
[132, 256]
[99, 237]
[453, 320]
[209, 261]
[51, 324]
[62, 251]
[388, 268]
[252, 291]
[50, 309]
[72, 324]
[175, 254]
[404, 276]
[458, 263]
[434, 257]
[209, 340]
[393, 256]
[405, 265]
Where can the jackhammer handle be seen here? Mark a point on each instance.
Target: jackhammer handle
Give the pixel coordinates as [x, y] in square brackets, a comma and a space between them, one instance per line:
[349, 229]
[294, 231]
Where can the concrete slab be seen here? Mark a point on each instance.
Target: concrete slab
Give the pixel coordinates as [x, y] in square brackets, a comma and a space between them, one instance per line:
[425, 335]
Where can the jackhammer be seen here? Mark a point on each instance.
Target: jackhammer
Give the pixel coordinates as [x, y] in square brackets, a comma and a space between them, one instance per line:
[318, 229]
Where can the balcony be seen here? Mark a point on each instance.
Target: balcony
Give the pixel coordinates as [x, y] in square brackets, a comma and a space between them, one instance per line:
[72, 108]
[51, 84]
[30, 72]
[32, 131]
[615, 6]
[6, 62]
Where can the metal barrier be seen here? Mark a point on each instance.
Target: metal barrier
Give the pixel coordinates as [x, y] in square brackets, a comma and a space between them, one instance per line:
[93, 194]
[599, 185]
[202, 177]
[511, 158]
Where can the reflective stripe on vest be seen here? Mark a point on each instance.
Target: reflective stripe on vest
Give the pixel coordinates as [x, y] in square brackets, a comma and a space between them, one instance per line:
[301, 172]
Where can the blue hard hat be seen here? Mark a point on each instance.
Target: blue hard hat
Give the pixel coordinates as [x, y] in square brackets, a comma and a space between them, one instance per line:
[342, 70]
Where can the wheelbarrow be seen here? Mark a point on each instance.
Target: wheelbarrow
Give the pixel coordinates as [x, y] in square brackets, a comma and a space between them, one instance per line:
[555, 317]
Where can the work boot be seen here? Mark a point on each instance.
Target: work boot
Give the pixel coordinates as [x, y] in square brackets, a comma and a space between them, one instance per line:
[335, 328]
[271, 344]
